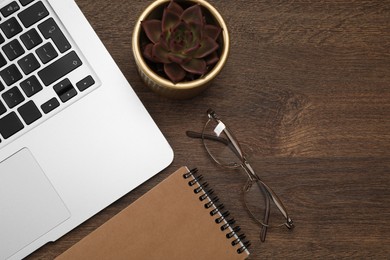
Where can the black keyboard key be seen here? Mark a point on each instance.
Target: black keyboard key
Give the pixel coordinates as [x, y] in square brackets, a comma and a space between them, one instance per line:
[62, 87]
[60, 68]
[31, 39]
[50, 29]
[9, 9]
[13, 97]
[31, 86]
[10, 125]
[3, 109]
[65, 90]
[85, 83]
[29, 112]
[1, 39]
[10, 75]
[46, 53]
[3, 61]
[11, 27]
[68, 95]
[1, 86]
[13, 49]
[28, 63]
[33, 14]
[50, 105]
[25, 2]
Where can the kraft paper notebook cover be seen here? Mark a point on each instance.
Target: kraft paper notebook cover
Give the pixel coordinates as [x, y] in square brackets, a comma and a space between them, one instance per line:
[171, 221]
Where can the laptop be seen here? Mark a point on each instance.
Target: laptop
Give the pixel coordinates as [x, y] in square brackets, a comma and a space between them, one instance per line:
[74, 137]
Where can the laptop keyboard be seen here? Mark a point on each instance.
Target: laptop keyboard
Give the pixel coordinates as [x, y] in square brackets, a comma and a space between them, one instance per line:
[37, 67]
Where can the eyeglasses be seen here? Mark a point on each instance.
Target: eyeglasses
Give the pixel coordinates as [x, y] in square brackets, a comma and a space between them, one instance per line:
[226, 151]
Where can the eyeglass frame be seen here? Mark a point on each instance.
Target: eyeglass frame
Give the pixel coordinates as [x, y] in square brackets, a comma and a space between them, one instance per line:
[253, 178]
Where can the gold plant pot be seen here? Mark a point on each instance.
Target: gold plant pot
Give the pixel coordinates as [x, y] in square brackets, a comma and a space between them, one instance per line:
[163, 86]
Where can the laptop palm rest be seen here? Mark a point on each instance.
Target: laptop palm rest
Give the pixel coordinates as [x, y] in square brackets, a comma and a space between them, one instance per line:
[29, 204]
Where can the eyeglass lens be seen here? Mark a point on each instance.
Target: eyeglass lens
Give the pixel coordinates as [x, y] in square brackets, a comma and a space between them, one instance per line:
[256, 200]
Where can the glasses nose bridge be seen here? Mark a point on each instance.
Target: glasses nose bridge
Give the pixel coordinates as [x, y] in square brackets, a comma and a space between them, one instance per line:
[249, 170]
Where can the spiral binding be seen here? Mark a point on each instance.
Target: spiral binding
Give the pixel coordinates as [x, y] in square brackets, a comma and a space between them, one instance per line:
[216, 209]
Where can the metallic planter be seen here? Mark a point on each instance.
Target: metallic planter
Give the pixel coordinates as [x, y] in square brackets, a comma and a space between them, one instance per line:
[181, 90]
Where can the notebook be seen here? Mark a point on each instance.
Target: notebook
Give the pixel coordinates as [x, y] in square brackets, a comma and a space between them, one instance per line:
[74, 137]
[177, 219]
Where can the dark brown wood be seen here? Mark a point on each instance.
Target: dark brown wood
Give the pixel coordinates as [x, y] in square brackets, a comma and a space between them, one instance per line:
[307, 91]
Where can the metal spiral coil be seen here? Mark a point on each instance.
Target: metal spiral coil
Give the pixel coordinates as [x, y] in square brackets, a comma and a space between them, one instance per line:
[204, 194]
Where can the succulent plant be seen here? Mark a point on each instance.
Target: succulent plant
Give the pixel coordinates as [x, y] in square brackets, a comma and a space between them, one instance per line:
[182, 42]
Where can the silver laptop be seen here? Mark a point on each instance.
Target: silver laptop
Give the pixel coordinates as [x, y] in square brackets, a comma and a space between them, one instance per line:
[74, 137]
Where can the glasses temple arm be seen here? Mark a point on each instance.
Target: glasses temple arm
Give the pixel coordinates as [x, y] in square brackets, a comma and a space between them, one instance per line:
[225, 141]
[264, 228]
[193, 134]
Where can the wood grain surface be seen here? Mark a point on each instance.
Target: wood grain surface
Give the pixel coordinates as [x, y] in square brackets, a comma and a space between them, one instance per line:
[306, 89]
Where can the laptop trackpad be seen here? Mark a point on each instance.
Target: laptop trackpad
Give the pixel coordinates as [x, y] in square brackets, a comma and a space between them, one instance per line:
[29, 204]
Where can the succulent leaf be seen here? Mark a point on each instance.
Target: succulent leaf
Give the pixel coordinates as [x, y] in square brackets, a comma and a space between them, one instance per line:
[152, 29]
[175, 72]
[193, 14]
[212, 58]
[207, 46]
[196, 31]
[192, 50]
[177, 58]
[212, 31]
[195, 66]
[175, 7]
[148, 51]
[170, 20]
[160, 53]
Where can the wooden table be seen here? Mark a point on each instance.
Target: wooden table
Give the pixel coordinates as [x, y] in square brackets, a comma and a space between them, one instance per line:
[307, 91]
